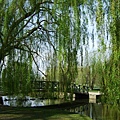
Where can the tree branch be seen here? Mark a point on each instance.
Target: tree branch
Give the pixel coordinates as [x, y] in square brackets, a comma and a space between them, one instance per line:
[26, 15]
[38, 66]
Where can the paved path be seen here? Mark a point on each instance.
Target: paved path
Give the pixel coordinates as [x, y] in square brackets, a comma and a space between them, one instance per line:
[95, 93]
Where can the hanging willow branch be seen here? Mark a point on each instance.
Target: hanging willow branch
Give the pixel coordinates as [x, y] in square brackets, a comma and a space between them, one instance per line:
[16, 21]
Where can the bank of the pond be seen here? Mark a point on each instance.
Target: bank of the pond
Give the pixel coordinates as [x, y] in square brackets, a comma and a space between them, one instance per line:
[12, 113]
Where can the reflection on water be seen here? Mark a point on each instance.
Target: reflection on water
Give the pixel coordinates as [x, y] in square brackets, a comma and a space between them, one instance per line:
[97, 111]
[111, 112]
[29, 101]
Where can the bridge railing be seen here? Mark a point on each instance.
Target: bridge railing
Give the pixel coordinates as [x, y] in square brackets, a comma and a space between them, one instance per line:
[56, 87]
[45, 85]
[80, 88]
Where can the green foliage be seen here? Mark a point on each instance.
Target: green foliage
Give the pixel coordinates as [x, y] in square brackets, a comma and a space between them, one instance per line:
[16, 78]
[28, 27]
[112, 67]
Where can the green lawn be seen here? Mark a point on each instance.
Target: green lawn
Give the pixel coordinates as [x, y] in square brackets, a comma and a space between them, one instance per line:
[9, 113]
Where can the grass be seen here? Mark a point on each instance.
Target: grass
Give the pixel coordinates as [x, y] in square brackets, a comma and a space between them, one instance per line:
[11, 113]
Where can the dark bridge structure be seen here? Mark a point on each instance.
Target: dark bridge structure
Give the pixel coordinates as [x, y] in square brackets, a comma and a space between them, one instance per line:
[55, 88]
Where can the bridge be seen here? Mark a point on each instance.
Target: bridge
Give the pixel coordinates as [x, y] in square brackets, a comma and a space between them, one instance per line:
[55, 87]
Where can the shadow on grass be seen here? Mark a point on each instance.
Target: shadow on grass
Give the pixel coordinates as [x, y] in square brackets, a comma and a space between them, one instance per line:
[9, 113]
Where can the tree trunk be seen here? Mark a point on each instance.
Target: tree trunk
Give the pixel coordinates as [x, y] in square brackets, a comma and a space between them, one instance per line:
[1, 100]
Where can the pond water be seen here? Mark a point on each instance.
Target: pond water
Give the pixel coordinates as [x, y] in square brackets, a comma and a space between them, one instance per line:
[97, 111]
[29, 101]
[93, 109]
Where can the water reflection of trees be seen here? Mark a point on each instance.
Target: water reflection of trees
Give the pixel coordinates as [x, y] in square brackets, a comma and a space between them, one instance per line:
[97, 111]
[111, 112]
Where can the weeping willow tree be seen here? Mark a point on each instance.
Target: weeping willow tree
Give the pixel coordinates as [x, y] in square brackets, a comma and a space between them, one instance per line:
[111, 68]
[29, 19]
[106, 31]
[67, 42]
[17, 77]
[104, 17]
[67, 29]
[23, 33]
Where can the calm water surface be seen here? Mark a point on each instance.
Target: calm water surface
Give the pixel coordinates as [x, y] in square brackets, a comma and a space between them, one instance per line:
[97, 111]
[29, 101]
